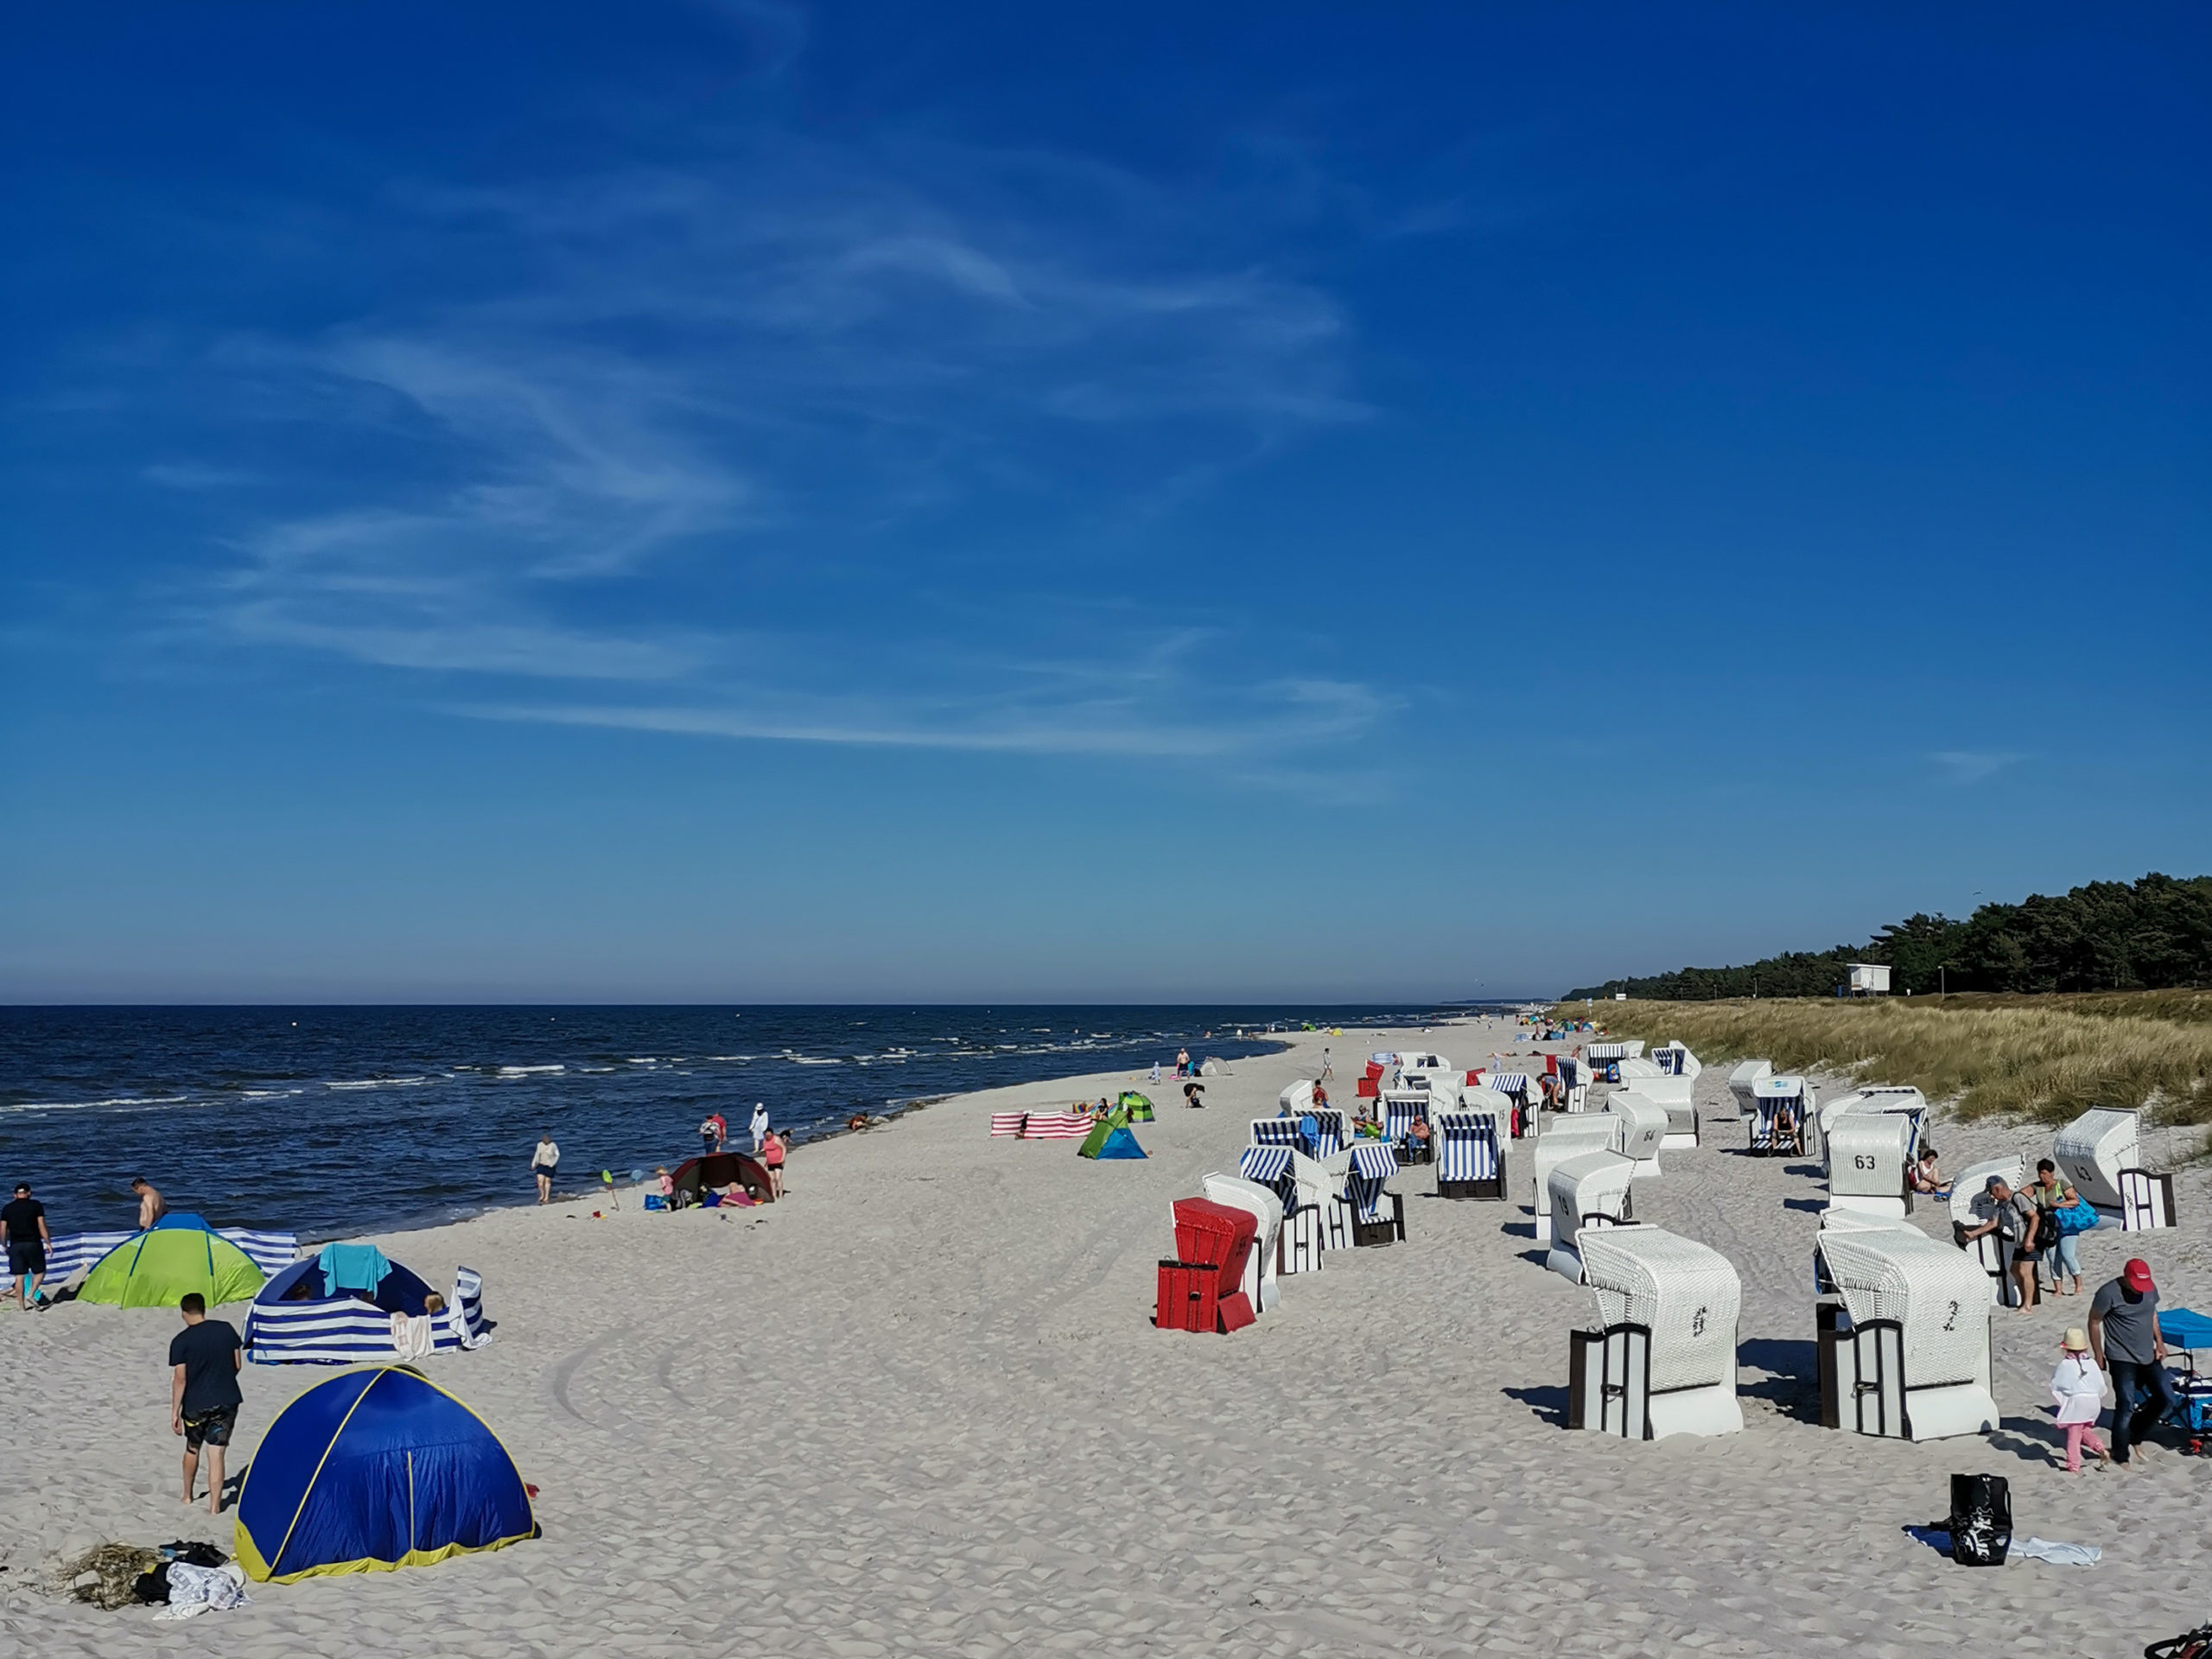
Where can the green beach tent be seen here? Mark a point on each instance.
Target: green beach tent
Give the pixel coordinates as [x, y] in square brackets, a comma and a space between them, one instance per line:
[155, 1269]
[1138, 1107]
[1109, 1140]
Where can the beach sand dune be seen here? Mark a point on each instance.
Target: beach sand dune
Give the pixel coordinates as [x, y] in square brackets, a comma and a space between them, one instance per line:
[919, 1408]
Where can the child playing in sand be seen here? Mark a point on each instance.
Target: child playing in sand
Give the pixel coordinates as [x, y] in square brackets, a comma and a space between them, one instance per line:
[2078, 1388]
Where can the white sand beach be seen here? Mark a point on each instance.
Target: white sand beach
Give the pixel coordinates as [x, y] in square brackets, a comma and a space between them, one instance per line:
[918, 1408]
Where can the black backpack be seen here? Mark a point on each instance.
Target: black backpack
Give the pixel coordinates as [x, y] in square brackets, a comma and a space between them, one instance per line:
[1981, 1519]
[2189, 1644]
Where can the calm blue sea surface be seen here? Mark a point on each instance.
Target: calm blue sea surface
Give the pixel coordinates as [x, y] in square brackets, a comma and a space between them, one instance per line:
[333, 1121]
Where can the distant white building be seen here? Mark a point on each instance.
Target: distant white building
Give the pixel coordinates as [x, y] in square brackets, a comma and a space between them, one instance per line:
[1869, 978]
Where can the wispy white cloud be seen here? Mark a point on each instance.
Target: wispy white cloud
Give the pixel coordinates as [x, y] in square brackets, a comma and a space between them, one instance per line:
[1973, 766]
[559, 473]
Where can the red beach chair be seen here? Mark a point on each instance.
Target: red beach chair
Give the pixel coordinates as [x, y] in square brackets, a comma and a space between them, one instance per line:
[1211, 1242]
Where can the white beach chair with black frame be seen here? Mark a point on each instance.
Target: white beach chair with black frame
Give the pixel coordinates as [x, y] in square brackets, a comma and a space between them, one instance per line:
[1588, 1191]
[1660, 1358]
[1902, 1351]
[1563, 1138]
[1379, 1215]
[1264, 1261]
[1470, 1148]
[1300, 1240]
[2100, 1153]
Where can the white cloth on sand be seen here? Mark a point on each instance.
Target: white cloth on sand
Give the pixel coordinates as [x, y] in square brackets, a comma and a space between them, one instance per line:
[413, 1339]
[2043, 1549]
[197, 1590]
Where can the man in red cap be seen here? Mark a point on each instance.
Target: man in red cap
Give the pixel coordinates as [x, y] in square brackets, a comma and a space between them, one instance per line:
[2124, 1335]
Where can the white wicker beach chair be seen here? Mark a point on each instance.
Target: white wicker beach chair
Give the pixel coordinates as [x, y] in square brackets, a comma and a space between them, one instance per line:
[1587, 1191]
[1296, 1097]
[1678, 1097]
[1563, 1138]
[1660, 1358]
[1260, 1266]
[2100, 1153]
[1870, 1155]
[1675, 1059]
[1644, 1128]
[1743, 1086]
[1905, 1352]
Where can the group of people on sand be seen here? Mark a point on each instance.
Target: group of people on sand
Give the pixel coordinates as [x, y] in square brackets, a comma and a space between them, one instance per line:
[769, 1146]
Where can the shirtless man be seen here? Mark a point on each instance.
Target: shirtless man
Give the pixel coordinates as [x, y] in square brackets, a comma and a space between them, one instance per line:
[152, 1206]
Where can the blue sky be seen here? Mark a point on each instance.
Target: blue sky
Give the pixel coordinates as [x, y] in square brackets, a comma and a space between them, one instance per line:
[739, 502]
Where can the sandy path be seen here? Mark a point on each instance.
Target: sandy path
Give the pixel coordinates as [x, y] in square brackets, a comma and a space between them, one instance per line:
[919, 1408]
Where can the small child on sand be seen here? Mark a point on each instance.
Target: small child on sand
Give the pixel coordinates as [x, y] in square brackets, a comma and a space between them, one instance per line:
[2078, 1388]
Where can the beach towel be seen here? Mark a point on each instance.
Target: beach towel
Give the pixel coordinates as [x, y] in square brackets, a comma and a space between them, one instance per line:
[351, 1267]
[412, 1338]
[197, 1590]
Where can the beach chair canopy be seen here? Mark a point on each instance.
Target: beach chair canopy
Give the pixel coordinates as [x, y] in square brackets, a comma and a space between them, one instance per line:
[178, 1254]
[1686, 1293]
[1868, 1152]
[373, 1471]
[1628, 1070]
[2092, 1150]
[1677, 1060]
[1297, 1097]
[1588, 1184]
[1743, 1081]
[1643, 1122]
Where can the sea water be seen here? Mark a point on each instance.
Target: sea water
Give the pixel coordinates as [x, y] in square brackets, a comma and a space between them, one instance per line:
[334, 1120]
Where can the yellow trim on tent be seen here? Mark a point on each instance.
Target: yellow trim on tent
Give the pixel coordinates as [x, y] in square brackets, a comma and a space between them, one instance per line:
[257, 1569]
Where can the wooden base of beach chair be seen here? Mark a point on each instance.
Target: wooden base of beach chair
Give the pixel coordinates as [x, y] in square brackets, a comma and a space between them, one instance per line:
[1336, 1225]
[1188, 1297]
[1387, 1228]
[1299, 1246]
[1493, 1189]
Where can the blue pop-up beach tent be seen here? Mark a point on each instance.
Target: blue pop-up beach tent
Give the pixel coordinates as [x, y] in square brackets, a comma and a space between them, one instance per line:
[373, 1471]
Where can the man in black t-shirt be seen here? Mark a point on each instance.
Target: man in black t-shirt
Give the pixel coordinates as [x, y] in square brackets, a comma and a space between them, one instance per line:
[204, 1397]
[22, 1229]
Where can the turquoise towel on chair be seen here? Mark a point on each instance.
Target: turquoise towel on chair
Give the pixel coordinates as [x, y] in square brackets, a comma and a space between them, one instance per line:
[351, 1267]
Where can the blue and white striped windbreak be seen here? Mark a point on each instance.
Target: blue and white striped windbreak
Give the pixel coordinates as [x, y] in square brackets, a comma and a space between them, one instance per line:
[271, 1252]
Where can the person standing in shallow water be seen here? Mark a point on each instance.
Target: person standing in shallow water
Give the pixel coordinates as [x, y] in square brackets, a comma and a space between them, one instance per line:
[543, 1163]
[760, 1124]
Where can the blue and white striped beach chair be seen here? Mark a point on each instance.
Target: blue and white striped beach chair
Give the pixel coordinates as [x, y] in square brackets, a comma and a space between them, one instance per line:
[1270, 1168]
[1401, 1111]
[1332, 1138]
[1379, 1215]
[1470, 1155]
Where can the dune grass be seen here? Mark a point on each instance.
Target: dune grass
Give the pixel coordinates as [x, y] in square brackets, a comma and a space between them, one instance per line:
[2047, 1057]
